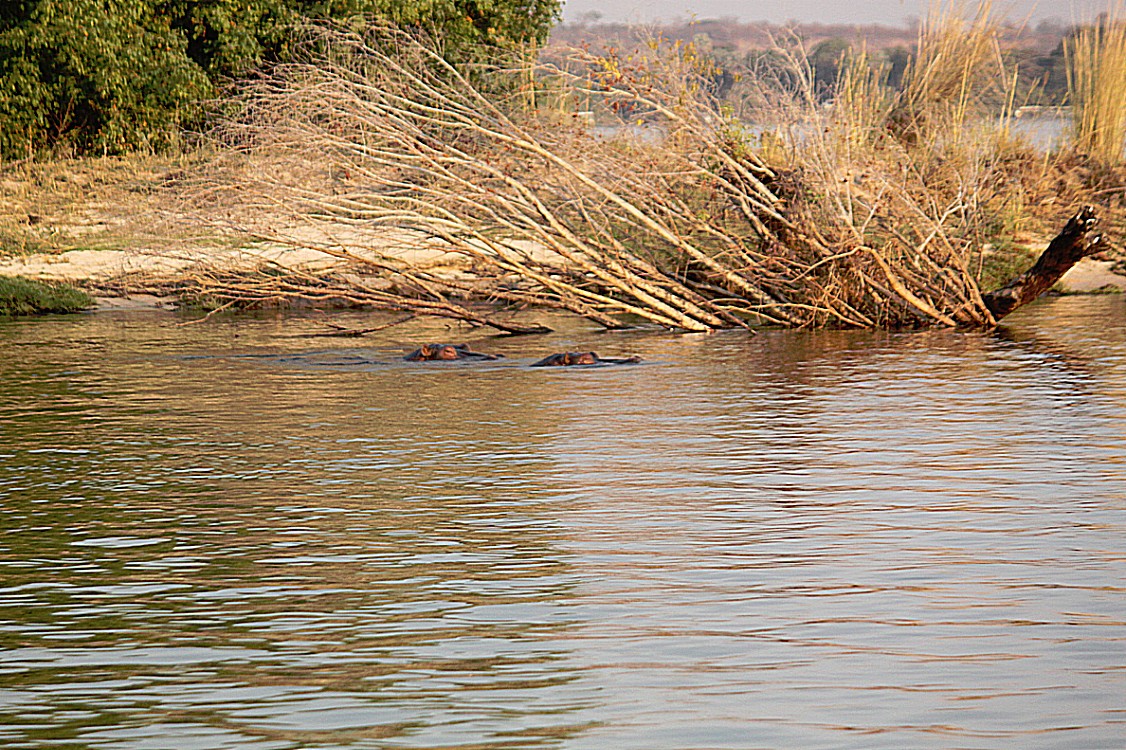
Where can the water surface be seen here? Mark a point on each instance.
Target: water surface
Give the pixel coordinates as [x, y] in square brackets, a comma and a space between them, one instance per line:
[237, 535]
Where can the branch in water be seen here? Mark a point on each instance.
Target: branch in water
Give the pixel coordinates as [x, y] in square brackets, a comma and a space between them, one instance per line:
[1075, 242]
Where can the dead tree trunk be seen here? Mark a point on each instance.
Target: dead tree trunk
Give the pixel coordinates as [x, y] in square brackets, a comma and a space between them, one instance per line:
[1075, 242]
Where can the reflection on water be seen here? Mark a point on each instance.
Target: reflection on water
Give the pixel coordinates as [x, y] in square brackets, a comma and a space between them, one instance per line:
[232, 535]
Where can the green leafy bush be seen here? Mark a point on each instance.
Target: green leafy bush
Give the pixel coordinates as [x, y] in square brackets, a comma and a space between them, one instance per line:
[19, 296]
[95, 75]
[112, 76]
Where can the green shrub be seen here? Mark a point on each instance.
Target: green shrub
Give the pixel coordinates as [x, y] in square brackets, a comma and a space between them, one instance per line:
[93, 75]
[112, 76]
[19, 296]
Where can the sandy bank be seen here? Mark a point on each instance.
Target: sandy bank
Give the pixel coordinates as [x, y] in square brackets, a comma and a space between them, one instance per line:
[1090, 275]
[131, 278]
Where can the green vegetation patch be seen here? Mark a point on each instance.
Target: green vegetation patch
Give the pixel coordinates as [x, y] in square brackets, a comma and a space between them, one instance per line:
[1002, 264]
[114, 76]
[19, 296]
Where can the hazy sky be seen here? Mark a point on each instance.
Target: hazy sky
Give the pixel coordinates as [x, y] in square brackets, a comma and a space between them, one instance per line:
[892, 12]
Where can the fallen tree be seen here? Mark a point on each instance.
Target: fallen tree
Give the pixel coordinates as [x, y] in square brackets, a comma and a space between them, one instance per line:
[1077, 241]
[671, 215]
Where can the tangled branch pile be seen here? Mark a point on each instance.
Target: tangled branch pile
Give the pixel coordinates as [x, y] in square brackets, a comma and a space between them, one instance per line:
[876, 212]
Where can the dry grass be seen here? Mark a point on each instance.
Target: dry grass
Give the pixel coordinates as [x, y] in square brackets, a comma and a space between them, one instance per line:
[94, 203]
[1096, 64]
[956, 71]
[923, 178]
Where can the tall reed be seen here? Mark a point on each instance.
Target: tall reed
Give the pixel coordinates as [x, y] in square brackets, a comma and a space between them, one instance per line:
[954, 71]
[1096, 67]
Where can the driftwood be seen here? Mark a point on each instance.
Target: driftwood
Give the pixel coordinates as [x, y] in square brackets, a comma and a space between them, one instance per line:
[1075, 242]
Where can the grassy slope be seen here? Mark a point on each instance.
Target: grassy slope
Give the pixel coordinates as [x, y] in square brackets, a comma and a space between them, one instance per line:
[68, 204]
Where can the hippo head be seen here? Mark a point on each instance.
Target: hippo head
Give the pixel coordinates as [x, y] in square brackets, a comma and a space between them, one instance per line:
[580, 358]
[446, 351]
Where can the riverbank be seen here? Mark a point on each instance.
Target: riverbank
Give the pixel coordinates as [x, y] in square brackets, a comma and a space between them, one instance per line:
[109, 226]
[104, 225]
[125, 279]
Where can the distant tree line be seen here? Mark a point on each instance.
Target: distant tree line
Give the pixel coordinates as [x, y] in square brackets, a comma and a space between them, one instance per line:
[1041, 78]
[108, 76]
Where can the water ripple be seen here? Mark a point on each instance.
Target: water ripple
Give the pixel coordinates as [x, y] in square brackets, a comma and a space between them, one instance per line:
[795, 539]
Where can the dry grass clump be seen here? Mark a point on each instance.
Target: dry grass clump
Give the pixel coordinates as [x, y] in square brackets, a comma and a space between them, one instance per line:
[1096, 65]
[918, 188]
[878, 211]
[957, 68]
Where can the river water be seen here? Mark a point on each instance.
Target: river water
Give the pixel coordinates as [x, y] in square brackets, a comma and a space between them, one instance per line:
[237, 535]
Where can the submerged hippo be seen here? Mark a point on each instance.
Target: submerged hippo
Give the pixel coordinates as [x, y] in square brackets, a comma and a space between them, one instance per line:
[430, 352]
[568, 359]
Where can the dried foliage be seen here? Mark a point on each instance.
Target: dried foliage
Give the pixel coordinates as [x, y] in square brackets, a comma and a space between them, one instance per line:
[874, 212]
[956, 69]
